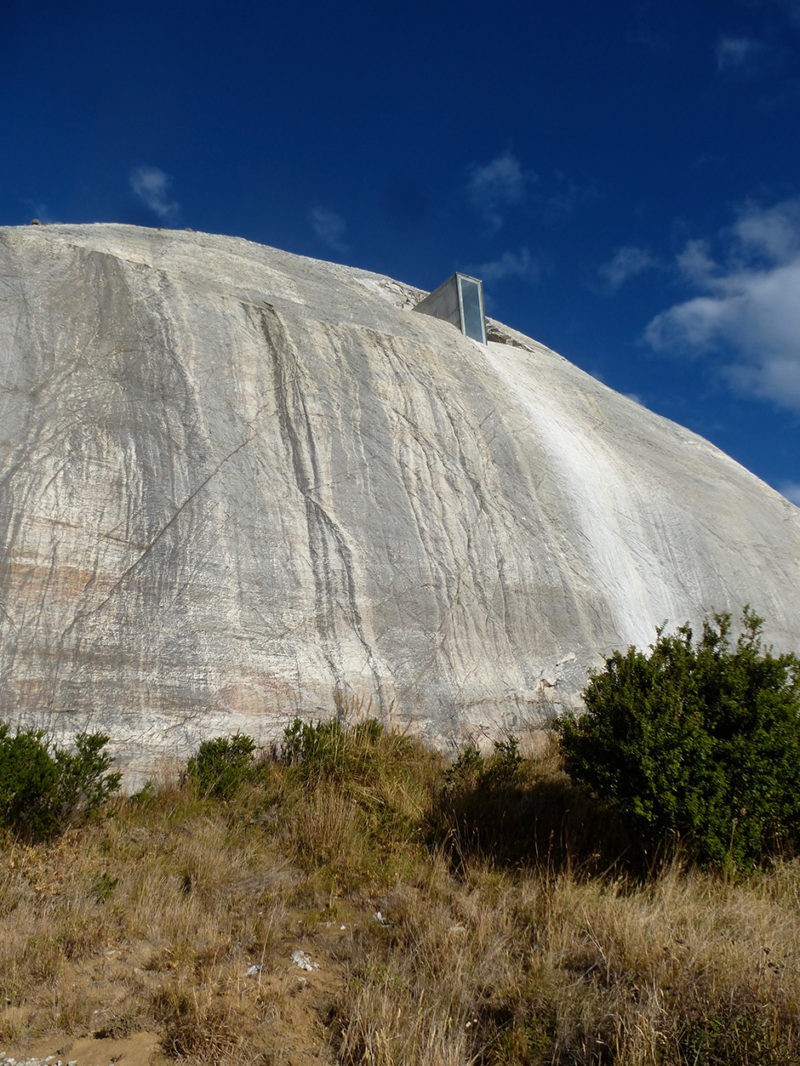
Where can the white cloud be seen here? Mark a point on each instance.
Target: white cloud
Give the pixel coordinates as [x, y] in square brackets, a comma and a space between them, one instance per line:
[626, 263]
[791, 490]
[151, 186]
[739, 55]
[695, 262]
[329, 227]
[496, 186]
[772, 232]
[519, 264]
[747, 307]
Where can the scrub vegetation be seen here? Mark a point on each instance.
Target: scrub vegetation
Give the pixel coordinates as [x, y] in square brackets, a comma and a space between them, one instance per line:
[487, 909]
[44, 789]
[697, 742]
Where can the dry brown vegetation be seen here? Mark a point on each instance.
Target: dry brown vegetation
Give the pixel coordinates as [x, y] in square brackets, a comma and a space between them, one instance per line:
[144, 923]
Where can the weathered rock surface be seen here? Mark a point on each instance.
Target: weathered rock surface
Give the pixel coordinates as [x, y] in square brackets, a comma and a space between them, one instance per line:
[234, 481]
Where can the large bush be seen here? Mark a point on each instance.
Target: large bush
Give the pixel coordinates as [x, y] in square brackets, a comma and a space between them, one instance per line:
[44, 788]
[696, 741]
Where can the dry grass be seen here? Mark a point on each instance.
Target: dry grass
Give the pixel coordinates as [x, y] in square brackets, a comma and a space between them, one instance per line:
[525, 969]
[149, 918]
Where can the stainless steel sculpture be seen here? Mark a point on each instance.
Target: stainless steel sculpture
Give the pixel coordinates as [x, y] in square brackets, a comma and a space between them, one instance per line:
[458, 300]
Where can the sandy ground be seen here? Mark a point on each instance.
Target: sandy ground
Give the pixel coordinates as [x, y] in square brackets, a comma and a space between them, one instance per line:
[296, 1002]
[140, 1049]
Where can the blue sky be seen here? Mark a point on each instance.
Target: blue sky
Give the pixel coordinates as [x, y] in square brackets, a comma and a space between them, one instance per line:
[625, 178]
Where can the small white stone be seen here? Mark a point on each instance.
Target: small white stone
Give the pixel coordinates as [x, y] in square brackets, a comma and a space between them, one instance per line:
[303, 961]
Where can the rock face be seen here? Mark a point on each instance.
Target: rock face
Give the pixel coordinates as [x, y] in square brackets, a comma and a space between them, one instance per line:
[234, 482]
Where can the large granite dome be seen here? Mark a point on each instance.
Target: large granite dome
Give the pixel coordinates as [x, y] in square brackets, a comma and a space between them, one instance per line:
[234, 482]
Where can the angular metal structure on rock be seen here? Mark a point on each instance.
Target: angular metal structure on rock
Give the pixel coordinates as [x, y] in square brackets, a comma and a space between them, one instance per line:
[459, 300]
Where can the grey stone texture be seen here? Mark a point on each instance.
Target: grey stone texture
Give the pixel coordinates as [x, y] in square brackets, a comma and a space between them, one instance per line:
[235, 482]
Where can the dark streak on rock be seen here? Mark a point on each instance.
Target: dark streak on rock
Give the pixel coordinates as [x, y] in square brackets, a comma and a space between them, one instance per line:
[326, 539]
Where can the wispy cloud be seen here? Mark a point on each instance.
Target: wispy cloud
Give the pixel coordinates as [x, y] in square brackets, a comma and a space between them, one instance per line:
[559, 196]
[329, 227]
[521, 264]
[739, 55]
[39, 210]
[771, 233]
[151, 185]
[650, 40]
[791, 490]
[746, 307]
[626, 263]
[695, 262]
[649, 28]
[495, 187]
[792, 9]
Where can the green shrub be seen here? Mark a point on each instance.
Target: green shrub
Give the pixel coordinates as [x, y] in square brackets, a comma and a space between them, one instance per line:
[696, 741]
[84, 784]
[483, 805]
[522, 811]
[329, 749]
[315, 746]
[496, 774]
[44, 789]
[222, 765]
